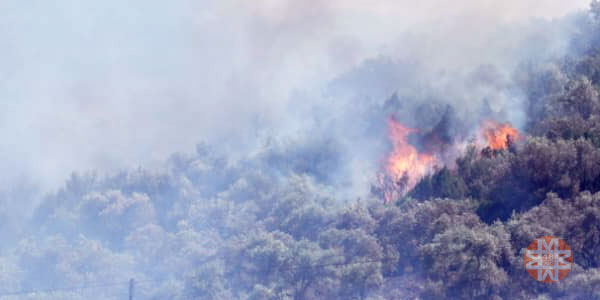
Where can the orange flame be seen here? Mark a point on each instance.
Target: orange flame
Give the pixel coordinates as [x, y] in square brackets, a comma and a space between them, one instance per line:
[499, 136]
[405, 165]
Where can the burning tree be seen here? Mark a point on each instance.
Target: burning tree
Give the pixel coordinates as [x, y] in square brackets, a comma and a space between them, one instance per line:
[405, 165]
[413, 160]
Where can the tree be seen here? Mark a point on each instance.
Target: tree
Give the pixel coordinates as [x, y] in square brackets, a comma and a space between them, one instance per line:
[361, 270]
[277, 264]
[473, 261]
[442, 184]
[406, 229]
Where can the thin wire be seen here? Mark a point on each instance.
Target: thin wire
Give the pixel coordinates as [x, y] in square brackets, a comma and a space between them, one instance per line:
[68, 289]
[338, 264]
[75, 288]
[25, 292]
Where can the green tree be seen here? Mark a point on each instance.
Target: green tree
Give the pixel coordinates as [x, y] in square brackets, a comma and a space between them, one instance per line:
[468, 261]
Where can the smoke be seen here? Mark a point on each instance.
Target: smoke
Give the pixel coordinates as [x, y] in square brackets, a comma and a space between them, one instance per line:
[278, 89]
[108, 86]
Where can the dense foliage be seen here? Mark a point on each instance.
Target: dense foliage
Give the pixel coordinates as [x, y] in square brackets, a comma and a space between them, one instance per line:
[272, 226]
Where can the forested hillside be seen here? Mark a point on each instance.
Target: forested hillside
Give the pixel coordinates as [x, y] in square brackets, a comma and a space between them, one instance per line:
[278, 223]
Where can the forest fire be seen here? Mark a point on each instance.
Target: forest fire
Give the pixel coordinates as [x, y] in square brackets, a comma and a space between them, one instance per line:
[416, 154]
[499, 136]
[405, 158]
[405, 166]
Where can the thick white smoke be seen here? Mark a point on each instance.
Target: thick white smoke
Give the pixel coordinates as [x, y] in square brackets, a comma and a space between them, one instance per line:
[275, 88]
[107, 85]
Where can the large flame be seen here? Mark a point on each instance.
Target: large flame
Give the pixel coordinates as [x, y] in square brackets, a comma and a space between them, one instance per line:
[499, 136]
[405, 165]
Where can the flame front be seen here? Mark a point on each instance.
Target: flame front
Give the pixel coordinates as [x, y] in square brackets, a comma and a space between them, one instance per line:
[405, 165]
[499, 136]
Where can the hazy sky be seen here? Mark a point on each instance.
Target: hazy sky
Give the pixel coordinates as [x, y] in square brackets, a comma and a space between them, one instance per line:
[112, 84]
